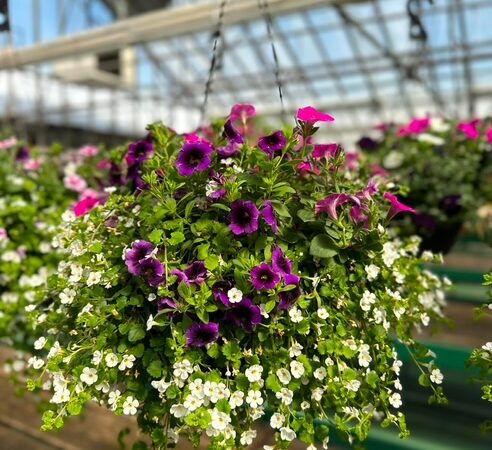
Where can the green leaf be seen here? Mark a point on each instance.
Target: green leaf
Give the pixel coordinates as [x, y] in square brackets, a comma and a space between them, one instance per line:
[306, 215]
[273, 383]
[176, 238]
[323, 247]
[280, 209]
[136, 333]
[221, 206]
[211, 262]
[232, 351]
[213, 351]
[372, 378]
[202, 315]
[155, 368]
[155, 236]
[189, 207]
[96, 248]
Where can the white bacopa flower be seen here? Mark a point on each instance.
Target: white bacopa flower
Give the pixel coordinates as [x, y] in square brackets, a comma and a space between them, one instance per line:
[88, 376]
[353, 385]
[151, 297]
[93, 278]
[40, 343]
[196, 388]
[253, 373]
[220, 420]
[287, 434]
[236, 399]
[487, 346]
[305, 405]
[430, 138]
[395, 400]
[320, 373]
[234, 295]
[182, 369]
[284, 376]
[179, 411]
[317, 394]
[35, 362]
[247, 437]
[192, 403]
[393, 160]
[285, 396]
[254, 398]
[372, 271]
[311, 447]
[398, 385]
[160, 385]
[295, 314]
[113, 398]
[368, 299]
[425, 319]
[54, 350]
[97, 357]
[277, 420]
[68, 216]
[126, 362]
[322, 313]
[130, 406]
[151, 322]
[296, 369]
[436, 376]
[111, 360]
[364, 356]
[390, 253]
[397, 364]
[295, 350]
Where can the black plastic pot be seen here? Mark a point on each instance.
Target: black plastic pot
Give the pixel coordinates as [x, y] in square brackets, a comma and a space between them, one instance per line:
[442, 238]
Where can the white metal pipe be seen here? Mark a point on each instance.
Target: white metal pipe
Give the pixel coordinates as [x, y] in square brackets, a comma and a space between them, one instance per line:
[160, 24]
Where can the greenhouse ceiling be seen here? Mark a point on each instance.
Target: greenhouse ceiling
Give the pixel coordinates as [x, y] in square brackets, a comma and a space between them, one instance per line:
[355, 59]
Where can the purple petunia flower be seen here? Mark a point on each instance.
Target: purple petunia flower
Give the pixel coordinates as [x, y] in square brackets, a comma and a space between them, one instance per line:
[269, 216]
[202, 334]
[273, 143]
[283, 265]
[140, 251]
[22, 154]
[367, 144]
[264, 277]
[244, 314]
[166, 303]
[220, 290]
[230, 150]
[152, 271]
[138, 152]
[243, 217]
[289, 298]
[195, 274]
[242, 111]
[194, 157]
[360, 215]
[231, 134]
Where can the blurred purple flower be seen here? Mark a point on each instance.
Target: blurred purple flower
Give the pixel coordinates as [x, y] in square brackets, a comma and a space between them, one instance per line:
[327, 151]
[289, 298]
[269, 216]
[202, 334]
[152, 270]
[195, 274]
[264, 277]
[244, 314]
[138, 152]
[243, 217]
[272, 144]
[194, 157]
[231, 134]
[139, 251]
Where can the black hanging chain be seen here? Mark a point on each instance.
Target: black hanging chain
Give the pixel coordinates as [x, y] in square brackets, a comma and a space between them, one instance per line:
[216, 36]
[417, 29]
[263, 5]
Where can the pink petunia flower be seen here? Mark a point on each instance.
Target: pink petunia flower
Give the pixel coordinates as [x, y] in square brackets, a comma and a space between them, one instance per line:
[104, 165]
[75, 183]
[396, 206]
[311, 115]
[242, 111]
[305, 168]
[8, 143]
[488, 135]
[326, 151]
[3, 233]
[88, 151]
[85, 205]
[469, 129]
[32, 164]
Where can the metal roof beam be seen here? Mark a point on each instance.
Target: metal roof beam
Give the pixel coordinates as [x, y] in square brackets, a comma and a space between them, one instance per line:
[152, 26]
